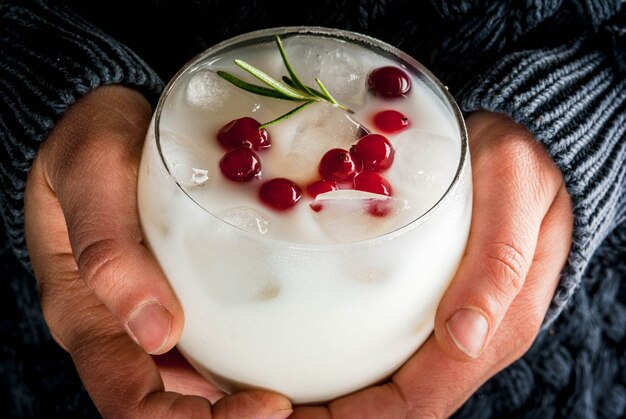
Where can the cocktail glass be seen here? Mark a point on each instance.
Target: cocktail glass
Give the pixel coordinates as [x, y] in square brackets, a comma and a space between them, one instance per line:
[311, 321]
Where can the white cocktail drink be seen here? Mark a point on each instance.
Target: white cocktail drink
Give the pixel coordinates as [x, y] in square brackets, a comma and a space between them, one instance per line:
[327, 296]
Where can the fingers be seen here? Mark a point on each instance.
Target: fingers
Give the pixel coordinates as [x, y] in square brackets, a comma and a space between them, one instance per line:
[179, 376]
[121, 378]
[90, 162]
[434, 382]
[514, 184]
[380, 402]
[434, 385]
[523, 221]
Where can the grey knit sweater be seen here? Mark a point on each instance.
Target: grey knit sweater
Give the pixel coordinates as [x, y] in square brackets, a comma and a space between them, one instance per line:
[558, 67]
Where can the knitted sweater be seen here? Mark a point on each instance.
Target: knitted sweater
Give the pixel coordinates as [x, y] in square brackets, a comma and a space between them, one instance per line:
[556, 67]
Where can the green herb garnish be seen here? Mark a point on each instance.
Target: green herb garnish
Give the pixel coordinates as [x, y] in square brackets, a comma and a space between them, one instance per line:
[292, 88]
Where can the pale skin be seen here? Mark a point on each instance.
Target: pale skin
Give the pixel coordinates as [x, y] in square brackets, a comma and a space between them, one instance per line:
[108, 304]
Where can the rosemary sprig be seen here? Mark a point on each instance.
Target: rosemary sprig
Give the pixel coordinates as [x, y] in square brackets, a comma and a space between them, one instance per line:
[292, 87]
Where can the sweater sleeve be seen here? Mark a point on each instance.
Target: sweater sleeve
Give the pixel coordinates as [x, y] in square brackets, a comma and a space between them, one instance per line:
[572, 96]
[50, 58]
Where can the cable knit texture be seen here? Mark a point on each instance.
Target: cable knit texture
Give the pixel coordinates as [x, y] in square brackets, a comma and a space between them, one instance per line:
[556, 66]
[576, 109]
[50, 57]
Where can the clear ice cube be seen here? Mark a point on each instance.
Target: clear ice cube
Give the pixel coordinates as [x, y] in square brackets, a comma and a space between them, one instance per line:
[199, 176]
[206, 89]
[425, 160]
[186, 163]
[247, 219]
[341, 71]
[350, 215]
[323, 127]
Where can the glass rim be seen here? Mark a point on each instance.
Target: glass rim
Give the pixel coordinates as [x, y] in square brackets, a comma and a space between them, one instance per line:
[345, 35]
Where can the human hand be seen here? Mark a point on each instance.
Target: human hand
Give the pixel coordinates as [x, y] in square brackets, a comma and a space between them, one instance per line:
[492, 311]
[99, 285]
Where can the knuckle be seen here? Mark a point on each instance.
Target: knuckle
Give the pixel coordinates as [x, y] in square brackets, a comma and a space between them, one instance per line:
[425, 405]
[98, 152]
[99, 264]
[177, 408]
[424, 412]
[506, 268]
[516, 149]
[174, 406]
[526, 162]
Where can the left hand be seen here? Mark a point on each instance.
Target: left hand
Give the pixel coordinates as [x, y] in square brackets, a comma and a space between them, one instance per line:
[519, 241]
[103, 295]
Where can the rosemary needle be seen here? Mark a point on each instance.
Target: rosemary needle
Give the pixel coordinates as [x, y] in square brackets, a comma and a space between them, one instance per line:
[291, 88]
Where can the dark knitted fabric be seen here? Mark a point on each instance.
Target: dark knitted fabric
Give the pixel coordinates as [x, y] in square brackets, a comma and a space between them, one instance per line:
[577, 110]
[557, 67]
[50, 57]
[37, 378]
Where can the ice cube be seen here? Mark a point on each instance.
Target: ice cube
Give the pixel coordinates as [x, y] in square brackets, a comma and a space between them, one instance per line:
[186, 162]
[216, 261]
[341, 70]
[199, 176]
[425, 160]
[321, 128]
[247, 219]
[351, 215]
[206, 89]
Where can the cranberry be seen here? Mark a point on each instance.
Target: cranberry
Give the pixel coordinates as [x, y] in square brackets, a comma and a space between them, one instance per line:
[280, 193]
[243, 132]
[372, 182]
[316, 206]
[321, 186]
[378, 208]
[337, 164]
[390, 121]
[375, 151]
[240, 164]
[389, 81]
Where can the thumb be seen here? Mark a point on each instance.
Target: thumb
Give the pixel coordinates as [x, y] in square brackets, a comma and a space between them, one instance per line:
[515, 182]
[90, 161]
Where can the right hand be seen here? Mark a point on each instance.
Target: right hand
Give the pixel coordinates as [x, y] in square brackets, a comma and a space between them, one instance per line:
[103, 295]
[519, 240]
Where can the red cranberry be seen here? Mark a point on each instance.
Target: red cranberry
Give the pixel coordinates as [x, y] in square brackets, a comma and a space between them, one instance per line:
[378, 208]
[316, 206]
[389, 81]
[372, 182]
[321, 186]
[243, 132]
[390, 121]
[280, 193]
[240, 164]
[375, 151]
[337, 164]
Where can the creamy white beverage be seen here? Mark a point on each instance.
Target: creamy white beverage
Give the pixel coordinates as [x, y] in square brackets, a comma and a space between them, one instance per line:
[309, 260]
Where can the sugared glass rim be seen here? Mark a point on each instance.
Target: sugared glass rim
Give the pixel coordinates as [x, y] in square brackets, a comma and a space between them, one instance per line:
[364, 40]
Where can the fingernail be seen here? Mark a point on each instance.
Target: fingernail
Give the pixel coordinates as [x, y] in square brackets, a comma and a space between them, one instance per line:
[149, 326]
[281, 414]
[468, 328]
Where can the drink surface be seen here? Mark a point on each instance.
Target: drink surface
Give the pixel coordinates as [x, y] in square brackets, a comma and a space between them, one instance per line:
[313, 305]
[427, 151]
